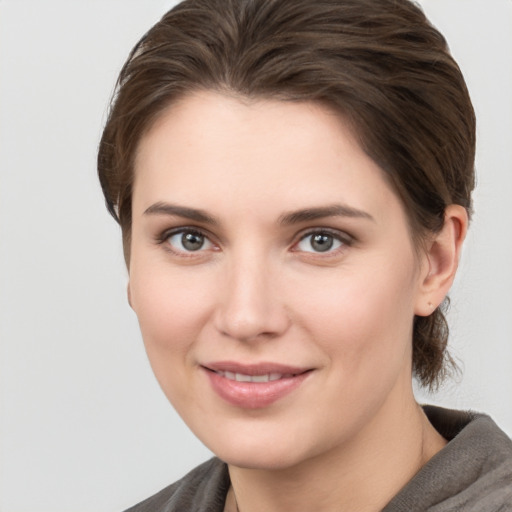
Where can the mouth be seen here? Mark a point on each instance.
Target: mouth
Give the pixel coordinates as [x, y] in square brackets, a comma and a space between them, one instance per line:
[241, 377]
[254, 386]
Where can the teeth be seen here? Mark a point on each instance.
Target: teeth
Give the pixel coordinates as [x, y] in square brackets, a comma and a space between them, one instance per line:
[240, 377]
[260, 378]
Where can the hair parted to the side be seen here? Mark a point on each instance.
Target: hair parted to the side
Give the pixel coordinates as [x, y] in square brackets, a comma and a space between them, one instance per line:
[379, 63]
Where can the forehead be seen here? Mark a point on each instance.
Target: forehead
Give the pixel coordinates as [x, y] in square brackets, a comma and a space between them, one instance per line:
[211, 150]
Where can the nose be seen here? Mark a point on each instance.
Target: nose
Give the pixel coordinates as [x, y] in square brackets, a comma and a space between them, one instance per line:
[250, 303]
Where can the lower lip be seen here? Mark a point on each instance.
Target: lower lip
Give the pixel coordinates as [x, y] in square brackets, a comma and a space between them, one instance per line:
[254, 395]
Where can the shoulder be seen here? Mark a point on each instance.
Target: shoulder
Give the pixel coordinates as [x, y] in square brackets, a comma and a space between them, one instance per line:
[472, 473]
[203, 489]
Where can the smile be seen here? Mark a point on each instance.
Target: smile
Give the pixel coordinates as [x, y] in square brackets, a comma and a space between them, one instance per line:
[240, 377]
[254, 386]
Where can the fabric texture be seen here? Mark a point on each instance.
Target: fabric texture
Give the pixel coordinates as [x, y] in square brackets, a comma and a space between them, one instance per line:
[473, 473]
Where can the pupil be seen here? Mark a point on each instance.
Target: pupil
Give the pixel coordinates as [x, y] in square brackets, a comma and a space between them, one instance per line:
[322, 243]
[192, 241]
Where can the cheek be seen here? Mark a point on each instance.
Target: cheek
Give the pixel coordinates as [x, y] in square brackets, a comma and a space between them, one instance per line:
[171, 312]
[172, 308]
[364, 318]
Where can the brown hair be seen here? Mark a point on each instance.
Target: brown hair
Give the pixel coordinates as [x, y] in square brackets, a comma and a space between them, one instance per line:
[380, 63]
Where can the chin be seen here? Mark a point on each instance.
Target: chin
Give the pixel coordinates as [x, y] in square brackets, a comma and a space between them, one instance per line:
[261, 459]
[259, 448]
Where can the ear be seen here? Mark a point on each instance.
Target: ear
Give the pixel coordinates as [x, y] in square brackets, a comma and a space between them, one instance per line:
[441, 260]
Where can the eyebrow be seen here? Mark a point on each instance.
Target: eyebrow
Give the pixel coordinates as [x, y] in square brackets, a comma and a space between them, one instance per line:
[335, 210]
[295, 217]
[194, 214]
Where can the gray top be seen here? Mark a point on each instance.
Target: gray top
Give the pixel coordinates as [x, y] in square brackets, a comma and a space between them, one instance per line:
[473, 473]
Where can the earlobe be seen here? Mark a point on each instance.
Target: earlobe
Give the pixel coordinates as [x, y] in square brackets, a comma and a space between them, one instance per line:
[442, 260]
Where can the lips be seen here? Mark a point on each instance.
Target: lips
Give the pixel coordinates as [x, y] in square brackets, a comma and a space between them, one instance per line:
[254, 386]
[243, 377]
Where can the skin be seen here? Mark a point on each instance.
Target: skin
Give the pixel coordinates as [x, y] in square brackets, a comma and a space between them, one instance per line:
[351, 435]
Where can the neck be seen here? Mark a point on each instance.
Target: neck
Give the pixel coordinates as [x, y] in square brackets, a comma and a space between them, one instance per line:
[362, 475]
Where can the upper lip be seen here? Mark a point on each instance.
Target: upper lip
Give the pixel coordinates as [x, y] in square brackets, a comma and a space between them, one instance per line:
[262, 368]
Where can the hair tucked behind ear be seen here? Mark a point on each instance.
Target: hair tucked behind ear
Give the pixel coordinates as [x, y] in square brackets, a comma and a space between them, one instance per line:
[378, 63]
[432, 362]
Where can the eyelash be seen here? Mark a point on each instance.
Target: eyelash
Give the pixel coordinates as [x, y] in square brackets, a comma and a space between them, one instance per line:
[344, 239]
[163, 239]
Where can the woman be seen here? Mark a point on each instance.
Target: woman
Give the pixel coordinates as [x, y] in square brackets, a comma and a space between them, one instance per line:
[293, 180]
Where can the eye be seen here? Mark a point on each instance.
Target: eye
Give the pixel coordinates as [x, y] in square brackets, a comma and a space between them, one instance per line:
[188, 240]
[320, 241]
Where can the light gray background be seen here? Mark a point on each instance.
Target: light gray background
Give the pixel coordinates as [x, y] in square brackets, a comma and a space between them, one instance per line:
[83, 425]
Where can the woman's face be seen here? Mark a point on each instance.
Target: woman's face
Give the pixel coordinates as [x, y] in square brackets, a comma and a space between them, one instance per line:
[273, 276]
